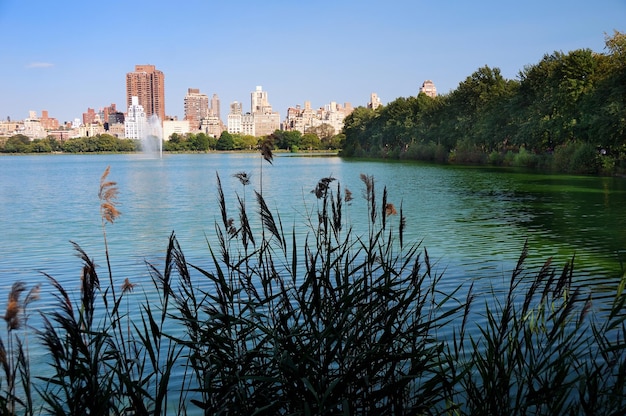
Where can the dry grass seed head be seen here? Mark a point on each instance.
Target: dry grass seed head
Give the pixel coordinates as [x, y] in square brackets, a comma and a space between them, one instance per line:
[108, 194]
[266, 147]
[12, 315]
[127, 286]
[348, 196]
[390, 209]
[243, 177]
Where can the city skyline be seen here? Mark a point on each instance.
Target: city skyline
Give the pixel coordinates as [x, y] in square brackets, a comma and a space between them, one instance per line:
[71, 58]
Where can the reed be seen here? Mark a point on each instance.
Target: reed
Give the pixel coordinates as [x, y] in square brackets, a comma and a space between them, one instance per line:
[333, 323]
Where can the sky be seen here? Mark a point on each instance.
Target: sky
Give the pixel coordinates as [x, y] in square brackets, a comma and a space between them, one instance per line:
[66, 57]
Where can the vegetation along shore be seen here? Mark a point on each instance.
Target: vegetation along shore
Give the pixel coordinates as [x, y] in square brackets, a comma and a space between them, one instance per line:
[564, 113]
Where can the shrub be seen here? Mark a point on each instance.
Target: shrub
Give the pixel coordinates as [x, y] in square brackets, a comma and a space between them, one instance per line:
[576, 157]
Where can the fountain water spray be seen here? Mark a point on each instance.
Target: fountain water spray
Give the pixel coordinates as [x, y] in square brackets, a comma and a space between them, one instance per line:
[152, 137]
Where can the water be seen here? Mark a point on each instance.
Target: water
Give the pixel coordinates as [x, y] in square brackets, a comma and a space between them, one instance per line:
[152, 138]
[473, 221]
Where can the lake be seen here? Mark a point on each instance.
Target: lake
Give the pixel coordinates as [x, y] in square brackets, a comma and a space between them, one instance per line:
[473, 221]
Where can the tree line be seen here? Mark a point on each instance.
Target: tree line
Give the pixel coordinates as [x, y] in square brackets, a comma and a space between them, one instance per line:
[189, 142]
[567, 112]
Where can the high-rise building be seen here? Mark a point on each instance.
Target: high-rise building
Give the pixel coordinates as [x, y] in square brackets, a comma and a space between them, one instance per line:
[265, 120]
[196, 108]
[258, 101]
[234, 124]
[374, 102]
[135, 122]
[89, 117]
[428, 88]
[148, 85]
[48, 123]
[215, 106]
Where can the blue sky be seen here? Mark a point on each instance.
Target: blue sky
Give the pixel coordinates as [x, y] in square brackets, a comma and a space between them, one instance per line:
[67, 56]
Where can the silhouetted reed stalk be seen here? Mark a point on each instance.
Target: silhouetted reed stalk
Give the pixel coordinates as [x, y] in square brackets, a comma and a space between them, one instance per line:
[15, 357]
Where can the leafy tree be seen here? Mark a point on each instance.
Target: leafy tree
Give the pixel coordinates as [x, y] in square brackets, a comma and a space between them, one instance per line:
[40, 146]
[286, 139]
[357, 127]
[310, 141]
[225, 142]
[199, 142]
[244, 141]
[18, 143]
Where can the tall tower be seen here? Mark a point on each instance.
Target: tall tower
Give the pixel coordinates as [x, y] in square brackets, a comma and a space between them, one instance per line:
[148, 85]
[258, 101]
[264, 120]
[196, 107]
[215, 106]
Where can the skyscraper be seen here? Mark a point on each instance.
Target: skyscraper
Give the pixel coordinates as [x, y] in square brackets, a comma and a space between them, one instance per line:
[148, 85]
[215, 106]
[196, 107]
[265, 120]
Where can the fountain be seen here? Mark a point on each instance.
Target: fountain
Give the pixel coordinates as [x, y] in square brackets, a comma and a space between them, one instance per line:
[152, 137]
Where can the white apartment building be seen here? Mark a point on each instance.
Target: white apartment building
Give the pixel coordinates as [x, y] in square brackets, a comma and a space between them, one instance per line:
[260, 121]
[135, 121]
[302, 119]
[234, 122]
[180, 127]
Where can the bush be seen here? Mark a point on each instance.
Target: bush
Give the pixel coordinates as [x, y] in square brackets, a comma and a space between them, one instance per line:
[468, 153]
[576, 157]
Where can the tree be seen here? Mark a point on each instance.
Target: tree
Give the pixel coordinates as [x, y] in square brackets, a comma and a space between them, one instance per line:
[225, 142]
[18, 143]
[357, 127]
[244, 141]
[283, 139]
[40, 146]
[199, 142]
[310, 141]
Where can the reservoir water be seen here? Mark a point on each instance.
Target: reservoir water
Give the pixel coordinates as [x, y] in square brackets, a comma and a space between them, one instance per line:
[474, 221]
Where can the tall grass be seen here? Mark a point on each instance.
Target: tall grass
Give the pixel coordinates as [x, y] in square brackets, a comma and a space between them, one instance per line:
[334, 323]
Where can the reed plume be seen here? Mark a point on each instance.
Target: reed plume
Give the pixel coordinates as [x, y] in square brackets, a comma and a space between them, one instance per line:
[243, 177]
[12, 315]
[108, 195]
[266, 147]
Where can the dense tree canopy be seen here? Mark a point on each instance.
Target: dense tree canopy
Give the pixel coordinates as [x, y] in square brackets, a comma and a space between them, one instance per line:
[570, 103]
[99, 143]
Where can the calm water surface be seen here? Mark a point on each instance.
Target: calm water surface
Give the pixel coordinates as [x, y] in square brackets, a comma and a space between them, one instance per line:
[472, 221]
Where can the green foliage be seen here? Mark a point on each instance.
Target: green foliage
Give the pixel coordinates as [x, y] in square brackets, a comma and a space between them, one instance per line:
[225, 142]
[286, 139]
[428, 151]
[577, 157]
[244, 141]
[16, 144]
[310, 141]
[565, 97]
[98, 143]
